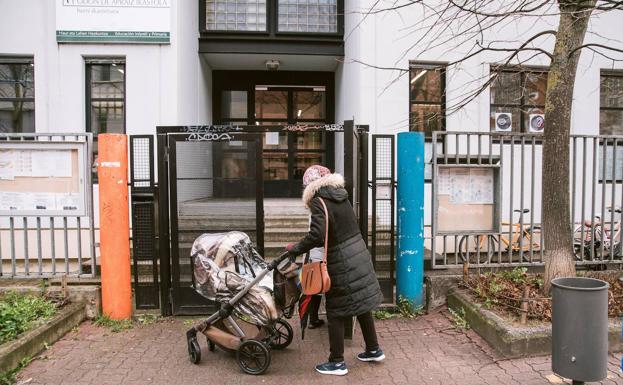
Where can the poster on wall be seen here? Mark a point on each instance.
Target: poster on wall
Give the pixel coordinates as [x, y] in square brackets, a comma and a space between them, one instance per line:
[43, 178]
[467, 185]
[113, 21]
[470, 193]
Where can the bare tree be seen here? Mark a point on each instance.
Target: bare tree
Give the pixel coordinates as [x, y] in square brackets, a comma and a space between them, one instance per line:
[461, 23]
[559, 261]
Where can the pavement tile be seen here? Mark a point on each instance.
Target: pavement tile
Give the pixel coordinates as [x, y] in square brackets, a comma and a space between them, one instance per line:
[426, 350]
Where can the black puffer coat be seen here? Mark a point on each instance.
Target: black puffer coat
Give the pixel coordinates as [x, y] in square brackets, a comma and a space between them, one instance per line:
[354, 287]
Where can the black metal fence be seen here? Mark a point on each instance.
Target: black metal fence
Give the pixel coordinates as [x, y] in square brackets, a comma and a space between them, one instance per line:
[382, 234]
[144, 224]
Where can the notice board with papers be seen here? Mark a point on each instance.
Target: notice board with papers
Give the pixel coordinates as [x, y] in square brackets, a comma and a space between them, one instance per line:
[40, 178]
[467, 198]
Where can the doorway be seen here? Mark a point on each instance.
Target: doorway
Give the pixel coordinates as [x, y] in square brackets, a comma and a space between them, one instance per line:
[288, 154]
[281, 98]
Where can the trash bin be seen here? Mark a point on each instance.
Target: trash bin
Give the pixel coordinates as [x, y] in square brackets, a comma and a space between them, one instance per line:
[580, 328]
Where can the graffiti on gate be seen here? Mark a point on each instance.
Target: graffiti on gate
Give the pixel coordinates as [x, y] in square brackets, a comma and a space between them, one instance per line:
[209, 133]
[306, 127]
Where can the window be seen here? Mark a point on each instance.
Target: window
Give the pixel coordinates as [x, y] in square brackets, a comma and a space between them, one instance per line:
[234, 107]
[308, 16]
[518, 99]
[611, 103]
[17, 95]
[289, 16]
[427, 97]
[236, 15]
[105, 99]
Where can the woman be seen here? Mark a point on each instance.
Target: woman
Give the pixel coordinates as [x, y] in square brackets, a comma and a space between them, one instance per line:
[355, 290]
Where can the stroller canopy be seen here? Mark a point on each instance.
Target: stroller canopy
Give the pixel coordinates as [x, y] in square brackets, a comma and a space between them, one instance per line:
[223, 265]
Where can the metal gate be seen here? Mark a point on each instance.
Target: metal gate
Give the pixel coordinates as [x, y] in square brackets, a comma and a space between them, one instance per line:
[144, 232]
[215, 185]
[210, 179]
[383, 186]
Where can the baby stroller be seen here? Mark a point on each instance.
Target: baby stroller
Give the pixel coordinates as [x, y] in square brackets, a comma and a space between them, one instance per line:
[228, 269]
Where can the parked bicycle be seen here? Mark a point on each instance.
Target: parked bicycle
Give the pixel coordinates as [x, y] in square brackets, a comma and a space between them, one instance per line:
[523, 238]
[596, 240]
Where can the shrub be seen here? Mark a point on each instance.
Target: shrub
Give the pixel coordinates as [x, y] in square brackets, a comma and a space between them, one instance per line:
[19, 312]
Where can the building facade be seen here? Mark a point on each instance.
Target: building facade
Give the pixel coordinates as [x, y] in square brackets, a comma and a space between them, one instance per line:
[281, 62]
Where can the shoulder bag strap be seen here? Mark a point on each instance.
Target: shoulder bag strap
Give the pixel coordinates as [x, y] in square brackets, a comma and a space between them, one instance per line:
[326, 230]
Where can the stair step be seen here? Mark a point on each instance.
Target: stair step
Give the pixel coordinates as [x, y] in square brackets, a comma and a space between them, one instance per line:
[188, 237]
[286, 222]
[227, 223]
[284, 235]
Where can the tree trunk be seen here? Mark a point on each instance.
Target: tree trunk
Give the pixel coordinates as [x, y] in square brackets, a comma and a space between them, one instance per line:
[558, 241]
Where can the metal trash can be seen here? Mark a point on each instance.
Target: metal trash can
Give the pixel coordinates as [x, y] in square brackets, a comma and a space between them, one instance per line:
[580, 328]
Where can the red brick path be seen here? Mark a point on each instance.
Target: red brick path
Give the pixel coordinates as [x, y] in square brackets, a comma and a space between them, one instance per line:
[426, 350]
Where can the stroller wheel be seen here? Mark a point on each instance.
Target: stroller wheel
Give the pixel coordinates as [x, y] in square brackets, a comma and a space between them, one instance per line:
[253, 357]
[194, 351]
[282, 335]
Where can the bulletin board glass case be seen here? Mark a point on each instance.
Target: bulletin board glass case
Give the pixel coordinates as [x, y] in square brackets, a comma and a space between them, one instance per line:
[43, 178]
[470, 192]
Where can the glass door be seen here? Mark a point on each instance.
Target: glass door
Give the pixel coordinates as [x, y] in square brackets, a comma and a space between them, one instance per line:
[288, 154]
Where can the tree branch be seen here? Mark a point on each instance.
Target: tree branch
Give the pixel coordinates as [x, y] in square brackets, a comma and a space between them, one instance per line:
[517, 11]
[595, 45]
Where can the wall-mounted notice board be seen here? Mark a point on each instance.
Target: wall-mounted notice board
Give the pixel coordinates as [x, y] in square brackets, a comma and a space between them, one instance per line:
[467, 198]
[40, 178]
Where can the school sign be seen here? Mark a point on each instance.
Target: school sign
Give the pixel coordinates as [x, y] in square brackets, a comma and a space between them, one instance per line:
[113, 21]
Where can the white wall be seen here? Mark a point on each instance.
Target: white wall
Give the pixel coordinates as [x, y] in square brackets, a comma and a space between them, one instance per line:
[389, 40]
[165, 84]
[171, 84]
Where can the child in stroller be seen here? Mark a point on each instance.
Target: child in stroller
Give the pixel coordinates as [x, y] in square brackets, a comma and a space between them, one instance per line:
[228, 269]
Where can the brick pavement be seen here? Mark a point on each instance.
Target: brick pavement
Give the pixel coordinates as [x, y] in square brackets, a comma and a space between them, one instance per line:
[426, 350]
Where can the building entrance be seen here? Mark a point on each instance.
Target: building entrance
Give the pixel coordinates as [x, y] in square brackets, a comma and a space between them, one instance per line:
[281, 99]
[288, 154]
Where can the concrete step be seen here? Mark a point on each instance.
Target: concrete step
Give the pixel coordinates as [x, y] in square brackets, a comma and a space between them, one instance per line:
[287, 221]
[201, 223]
[189, 221]
[189, 236]
[284, 207]
[284, 234]
[218, 207]
[273, 249]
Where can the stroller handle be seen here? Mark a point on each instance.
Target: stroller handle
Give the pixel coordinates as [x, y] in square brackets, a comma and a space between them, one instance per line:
[279, 259]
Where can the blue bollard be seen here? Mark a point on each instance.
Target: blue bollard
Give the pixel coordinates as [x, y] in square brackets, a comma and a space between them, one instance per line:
[410, 192]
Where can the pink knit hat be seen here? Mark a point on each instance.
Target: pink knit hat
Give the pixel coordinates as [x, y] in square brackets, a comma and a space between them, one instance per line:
[314, 173]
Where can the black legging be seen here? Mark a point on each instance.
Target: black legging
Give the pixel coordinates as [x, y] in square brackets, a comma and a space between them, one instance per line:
[314, 306]
[336, 335]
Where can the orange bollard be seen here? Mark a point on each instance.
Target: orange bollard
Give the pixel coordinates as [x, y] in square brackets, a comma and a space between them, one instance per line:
[112, 171]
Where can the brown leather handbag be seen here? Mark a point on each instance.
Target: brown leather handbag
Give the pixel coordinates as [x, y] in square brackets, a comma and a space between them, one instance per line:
[314, 275]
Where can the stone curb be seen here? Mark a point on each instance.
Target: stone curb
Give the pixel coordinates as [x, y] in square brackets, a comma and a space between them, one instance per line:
[32, 342]
[515, 341]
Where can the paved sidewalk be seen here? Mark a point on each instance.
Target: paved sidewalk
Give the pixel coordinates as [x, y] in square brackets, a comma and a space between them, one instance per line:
[426, 350]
